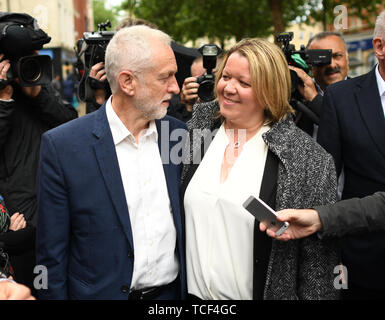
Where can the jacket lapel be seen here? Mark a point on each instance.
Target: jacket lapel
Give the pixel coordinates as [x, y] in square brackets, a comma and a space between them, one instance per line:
[269, 180]
[370, 108]
[109, 167]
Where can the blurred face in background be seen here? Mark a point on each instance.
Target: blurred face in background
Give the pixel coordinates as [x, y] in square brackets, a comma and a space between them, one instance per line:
[338, 69]
[197, 69]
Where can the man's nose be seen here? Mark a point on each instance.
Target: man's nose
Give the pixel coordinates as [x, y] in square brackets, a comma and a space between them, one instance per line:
[174, 87]
[334, 63]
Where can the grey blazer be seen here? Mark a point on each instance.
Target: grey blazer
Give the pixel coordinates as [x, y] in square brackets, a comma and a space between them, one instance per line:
[299, 269]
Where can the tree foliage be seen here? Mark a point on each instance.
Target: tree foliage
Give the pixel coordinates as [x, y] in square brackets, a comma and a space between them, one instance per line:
[219, 20]
[102, 14]
[323, 10]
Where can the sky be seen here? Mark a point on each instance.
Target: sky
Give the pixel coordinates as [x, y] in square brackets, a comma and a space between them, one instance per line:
[111, 3]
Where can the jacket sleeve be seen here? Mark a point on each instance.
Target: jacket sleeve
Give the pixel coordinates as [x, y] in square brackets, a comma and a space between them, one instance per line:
[353, 216]
[318, 258]
[53, 222]
[6, 111]
[51, 108]
[329, 133]
[17, 242]
[316, 105]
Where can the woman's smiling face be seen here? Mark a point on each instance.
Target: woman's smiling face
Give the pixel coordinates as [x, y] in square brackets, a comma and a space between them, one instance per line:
[236, 97]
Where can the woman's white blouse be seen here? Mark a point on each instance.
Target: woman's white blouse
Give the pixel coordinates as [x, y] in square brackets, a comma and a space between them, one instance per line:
[219, 231]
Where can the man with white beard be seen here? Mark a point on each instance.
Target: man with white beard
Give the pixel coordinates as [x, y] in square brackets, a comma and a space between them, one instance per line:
[109, 223]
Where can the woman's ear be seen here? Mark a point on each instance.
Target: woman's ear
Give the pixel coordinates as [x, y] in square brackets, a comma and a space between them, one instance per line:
[127, 82]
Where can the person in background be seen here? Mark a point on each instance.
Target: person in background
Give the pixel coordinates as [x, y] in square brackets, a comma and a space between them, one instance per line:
[352, 130]
[312, 89]
[25, 114]
[182, 104]
[69, 88]
[352, 216]
[15, 236]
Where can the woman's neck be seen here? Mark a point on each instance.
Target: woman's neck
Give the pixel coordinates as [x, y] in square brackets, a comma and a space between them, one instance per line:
[248, 130]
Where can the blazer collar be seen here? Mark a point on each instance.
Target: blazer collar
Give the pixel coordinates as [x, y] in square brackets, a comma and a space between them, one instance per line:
[109, 167]
[370, 108]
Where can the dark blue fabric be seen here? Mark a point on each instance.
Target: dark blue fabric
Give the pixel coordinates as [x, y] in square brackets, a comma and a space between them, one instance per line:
[352, 129]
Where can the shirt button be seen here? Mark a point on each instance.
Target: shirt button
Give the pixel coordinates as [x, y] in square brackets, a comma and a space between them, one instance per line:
[125, 289]
[256, 261]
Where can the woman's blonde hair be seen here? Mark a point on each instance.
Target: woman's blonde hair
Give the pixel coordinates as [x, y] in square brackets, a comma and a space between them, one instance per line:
[270, 76]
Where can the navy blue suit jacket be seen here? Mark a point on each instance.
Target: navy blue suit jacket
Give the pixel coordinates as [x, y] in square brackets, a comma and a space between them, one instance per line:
[352, 129]
[84, 235]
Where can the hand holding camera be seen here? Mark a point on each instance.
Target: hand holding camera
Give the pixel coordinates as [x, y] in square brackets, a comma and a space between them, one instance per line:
[20, 37]
[306, 87]
[98, 72]
[90, 52]
[97, 78]
[189, 93]
[7, 91]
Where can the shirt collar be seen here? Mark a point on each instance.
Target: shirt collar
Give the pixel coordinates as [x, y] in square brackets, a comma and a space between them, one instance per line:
[119, 130]
[318, 88]
[380, 82]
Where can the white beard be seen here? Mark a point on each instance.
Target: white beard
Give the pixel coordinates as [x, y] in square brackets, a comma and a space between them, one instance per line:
[150, 109]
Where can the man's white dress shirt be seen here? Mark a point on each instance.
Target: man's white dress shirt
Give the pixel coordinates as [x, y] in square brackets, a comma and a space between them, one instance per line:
[152, 224]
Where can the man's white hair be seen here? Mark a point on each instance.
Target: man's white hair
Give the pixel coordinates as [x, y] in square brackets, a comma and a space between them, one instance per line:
[131, 49]
[379, 29]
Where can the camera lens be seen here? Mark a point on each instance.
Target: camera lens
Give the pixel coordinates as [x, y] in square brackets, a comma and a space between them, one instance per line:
[206, 91]
[30, 70]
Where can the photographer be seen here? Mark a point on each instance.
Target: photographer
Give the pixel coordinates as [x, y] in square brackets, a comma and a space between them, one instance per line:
[15, 238]
[203, 71]
[312, 90]
[189, 93]
[26, 112]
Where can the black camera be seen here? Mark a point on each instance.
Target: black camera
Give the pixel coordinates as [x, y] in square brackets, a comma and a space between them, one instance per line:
[20, 37]
[31, 71]
[97, 42]
[89, 51]
[302, 58]
[206, 82]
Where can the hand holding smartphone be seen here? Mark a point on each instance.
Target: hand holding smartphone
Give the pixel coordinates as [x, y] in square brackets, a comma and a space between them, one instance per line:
[263, 213]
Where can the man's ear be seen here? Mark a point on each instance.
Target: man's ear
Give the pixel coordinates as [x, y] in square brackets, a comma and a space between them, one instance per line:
[379, 48]
[127, 82]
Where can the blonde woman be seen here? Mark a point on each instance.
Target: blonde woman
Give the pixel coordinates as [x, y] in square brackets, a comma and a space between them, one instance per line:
[245, 143]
